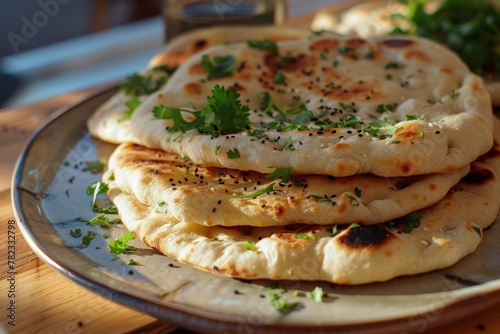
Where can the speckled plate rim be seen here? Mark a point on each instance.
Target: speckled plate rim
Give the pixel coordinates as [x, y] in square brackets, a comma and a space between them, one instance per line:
[472, 300]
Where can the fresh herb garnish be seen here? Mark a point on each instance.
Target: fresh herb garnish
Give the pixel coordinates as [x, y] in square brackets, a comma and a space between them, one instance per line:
[76, 233]
[408, 223]
[251, 246]
[258, 193]
[284, 173]
[393, 65]
[222, 66]
[275, 286]
[132, 262]
[411, 117]
[478, 230]
[382, 129]
[103, 221]
[357, 191]
[233, 154]
[316, 295]
[382, 108]
[87, 239]
[266, 45]
[223, 114]
[288, 145]
[353, 225]
[279, 303]
[138, 85]
[110, 209]
[162, 207]
[96, 189]
[454, 94]
[120, 245]
[320, 198]
[93, 166]
[279, 78]
[304, 236]
[132, 105]
[470, 28]
[334, 230]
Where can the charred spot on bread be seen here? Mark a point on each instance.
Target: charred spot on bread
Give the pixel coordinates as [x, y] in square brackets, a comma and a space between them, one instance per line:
[397, 42]
[479, 176]
[365, 236]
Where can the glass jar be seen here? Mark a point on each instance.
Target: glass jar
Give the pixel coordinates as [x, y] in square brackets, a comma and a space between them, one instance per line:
[183, 15]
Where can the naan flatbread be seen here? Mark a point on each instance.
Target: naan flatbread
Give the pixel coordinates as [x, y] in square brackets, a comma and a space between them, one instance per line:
[377, 19]
[448, 231]
[201, 195]
[108, 123]
[391, 106]
[183, 46]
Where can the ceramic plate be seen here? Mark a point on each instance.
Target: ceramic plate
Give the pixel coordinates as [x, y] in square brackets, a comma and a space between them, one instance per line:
[49, 195]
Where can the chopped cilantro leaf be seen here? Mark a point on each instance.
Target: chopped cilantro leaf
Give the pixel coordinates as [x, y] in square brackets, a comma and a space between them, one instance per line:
[376, 128]
[250, 246]
[357, 191]
[76, 233]
[258, 193]
[137, 85]
[132, 262]
[477, 229]
[408, 223]
[87, 239]
[162, 207]
[411, 117]
[392, 64]
[132, 105]
[284, 173]
[266, 45]
[275, 286]
[222, 66]
[233, 154]
[334, 230]
[316, 295]
[318, 32]
[301, 235]
[288, 145]
[279, 78]
[94, 166]
[110, 209]
[283, 59]
[103, 221]
[96, 189]
[454, 94]
[279, 303]
[382, 108]
[120, 245]
[223, 114]
[320, 198]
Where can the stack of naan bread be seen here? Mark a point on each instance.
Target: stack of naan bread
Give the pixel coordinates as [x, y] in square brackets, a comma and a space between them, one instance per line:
[364, 159]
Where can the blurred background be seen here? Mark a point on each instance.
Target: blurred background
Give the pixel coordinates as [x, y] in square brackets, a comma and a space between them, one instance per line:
[54, 46]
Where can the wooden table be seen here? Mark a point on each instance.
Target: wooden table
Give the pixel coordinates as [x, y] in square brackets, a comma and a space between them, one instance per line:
[47, 302]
